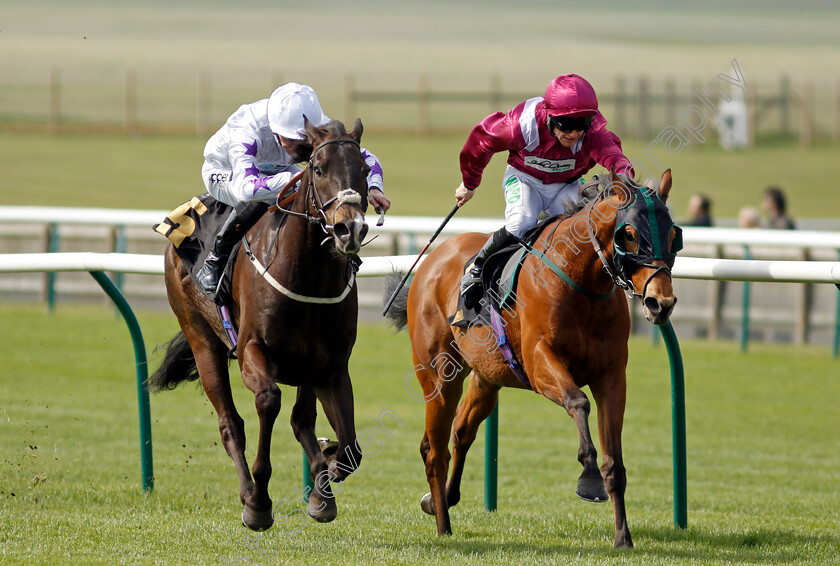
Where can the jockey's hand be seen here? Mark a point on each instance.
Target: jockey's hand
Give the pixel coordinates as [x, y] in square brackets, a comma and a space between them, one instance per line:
[378, 199]
[463, 194]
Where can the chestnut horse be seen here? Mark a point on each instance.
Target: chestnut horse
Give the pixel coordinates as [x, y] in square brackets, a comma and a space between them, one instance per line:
[297, 324]
[568, 329]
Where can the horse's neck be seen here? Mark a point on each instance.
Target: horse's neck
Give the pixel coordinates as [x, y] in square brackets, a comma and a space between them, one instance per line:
[298, 252]
[574, 250]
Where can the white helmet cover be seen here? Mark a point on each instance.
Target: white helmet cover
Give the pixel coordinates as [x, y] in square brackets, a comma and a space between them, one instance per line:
[288, 105]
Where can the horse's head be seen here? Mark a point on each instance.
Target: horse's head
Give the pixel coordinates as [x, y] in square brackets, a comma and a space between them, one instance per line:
[645, 243]
[337, 183]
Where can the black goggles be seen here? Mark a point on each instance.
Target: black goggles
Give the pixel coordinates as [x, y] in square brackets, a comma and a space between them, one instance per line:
[568, 124]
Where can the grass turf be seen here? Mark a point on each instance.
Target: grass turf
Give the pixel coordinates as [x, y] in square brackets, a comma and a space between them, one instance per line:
[762, 456]
[421, 173]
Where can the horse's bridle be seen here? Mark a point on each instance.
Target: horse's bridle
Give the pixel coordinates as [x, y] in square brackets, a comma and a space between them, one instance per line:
[616, 271]
[313, 196]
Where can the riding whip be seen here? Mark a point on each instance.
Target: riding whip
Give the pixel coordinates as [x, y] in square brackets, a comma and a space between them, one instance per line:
[416, 261]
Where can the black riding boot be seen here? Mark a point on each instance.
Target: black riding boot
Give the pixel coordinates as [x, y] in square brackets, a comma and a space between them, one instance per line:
[498, 240]
[241, 219]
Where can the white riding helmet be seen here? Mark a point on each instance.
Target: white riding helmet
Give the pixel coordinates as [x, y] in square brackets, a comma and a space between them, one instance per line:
[288, 105]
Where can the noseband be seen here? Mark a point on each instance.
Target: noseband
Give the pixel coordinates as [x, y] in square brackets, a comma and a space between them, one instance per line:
[316, 202]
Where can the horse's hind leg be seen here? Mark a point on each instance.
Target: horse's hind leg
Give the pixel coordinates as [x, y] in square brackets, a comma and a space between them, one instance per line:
[257, 373]
[321, 505]
[478, 403]
[611, 401]
[441, 404]
[213, 372]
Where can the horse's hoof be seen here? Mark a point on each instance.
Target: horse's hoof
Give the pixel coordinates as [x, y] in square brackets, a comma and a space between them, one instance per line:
[427, 504]
[592, 489]
[257, 520]
[328, 447]
[323, 509]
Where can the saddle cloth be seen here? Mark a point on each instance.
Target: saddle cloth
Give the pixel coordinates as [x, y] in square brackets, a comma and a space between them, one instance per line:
[192, 229]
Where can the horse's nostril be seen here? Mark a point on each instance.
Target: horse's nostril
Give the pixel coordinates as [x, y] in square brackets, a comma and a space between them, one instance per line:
[342, 232]
[652, 305]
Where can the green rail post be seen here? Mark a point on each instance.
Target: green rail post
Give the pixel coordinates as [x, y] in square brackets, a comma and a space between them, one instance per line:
[491, 459]
[836, 347]
[745, 307]
[308, 481]
[52, 247]
[120, 247]
[142, 367]
[677, 425]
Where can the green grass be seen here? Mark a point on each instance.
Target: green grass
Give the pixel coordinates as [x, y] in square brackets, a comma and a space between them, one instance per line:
[762, 455]
[421, 173]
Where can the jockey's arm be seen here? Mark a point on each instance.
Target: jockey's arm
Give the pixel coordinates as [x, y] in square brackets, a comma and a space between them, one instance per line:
[376, 194]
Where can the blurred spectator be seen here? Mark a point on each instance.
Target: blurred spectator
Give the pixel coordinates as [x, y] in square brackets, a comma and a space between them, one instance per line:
[732, 123]
[699, 207]
[774, 206]
[749, 217]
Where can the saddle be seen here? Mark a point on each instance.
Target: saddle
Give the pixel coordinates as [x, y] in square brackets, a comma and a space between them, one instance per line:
[499, 278]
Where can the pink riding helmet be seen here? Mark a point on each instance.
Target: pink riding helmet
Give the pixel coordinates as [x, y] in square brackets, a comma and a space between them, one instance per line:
[570, 95]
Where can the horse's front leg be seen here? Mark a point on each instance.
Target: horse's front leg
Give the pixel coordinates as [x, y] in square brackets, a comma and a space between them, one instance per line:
[555, 382]
[321, 505]
[258, 375]
[610, 396]
[337, 401]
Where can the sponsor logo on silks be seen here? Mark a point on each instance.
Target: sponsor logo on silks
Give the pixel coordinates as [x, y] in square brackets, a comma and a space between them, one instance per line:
[513, 190]
[549, 165]
[270, 168]
[219, 177]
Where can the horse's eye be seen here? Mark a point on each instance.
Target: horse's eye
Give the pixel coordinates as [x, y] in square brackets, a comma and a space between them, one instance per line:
[628, 235]
[317, 170]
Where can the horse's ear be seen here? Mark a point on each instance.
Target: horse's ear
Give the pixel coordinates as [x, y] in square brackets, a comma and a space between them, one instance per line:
[665, 185]
[313, 133]
[618, 190]
[356, 134]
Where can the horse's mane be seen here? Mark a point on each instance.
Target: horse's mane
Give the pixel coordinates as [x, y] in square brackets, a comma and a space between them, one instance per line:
[604, 189]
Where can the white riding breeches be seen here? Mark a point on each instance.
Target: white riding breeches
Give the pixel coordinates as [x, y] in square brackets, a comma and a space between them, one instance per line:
[526, 197]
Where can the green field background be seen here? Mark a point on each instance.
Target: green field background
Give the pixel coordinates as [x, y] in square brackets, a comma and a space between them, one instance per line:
[246, 49]
[421, 173]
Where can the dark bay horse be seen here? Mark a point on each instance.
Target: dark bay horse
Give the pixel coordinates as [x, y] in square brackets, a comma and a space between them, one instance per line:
[567, 326]
[297, 324]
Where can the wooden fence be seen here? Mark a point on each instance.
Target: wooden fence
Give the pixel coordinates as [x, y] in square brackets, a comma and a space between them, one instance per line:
[636, 106]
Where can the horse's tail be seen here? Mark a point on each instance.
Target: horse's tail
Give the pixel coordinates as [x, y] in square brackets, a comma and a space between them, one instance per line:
[398, 313]
[178, 365]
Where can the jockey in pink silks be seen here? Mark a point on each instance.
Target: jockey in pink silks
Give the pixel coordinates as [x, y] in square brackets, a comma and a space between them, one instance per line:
[552, 141]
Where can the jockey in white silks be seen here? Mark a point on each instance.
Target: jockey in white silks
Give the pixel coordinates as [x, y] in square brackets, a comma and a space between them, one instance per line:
[253, 156]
